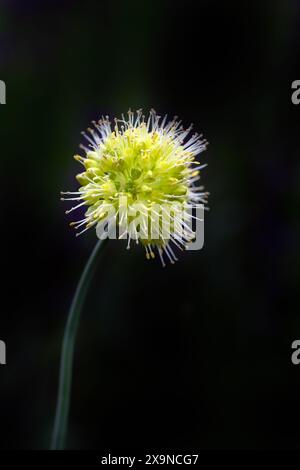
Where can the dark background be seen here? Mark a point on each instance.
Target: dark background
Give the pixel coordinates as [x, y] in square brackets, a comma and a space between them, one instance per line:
[195, 355]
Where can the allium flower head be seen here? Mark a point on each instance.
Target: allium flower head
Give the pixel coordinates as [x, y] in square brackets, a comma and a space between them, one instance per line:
[147, 164]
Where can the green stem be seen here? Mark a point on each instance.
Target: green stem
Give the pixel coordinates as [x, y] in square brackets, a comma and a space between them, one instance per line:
[65, 373]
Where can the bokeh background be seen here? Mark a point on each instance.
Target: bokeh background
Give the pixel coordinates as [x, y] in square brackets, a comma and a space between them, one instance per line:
[196, 355]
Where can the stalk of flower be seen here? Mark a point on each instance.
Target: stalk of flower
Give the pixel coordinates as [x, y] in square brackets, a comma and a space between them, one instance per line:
[136, 166]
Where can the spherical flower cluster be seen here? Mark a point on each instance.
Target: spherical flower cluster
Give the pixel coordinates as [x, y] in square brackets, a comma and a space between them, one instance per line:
[148, 163]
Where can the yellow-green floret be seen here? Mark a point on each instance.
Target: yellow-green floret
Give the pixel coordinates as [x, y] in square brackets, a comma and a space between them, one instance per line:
[143, 165]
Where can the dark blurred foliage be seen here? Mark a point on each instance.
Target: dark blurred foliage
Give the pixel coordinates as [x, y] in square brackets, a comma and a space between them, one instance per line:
[193, 355]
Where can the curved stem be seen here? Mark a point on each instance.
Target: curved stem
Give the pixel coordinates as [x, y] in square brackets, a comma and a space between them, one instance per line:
[65, 373]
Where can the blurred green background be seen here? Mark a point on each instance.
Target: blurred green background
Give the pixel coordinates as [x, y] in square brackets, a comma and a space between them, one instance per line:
[195, 355]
